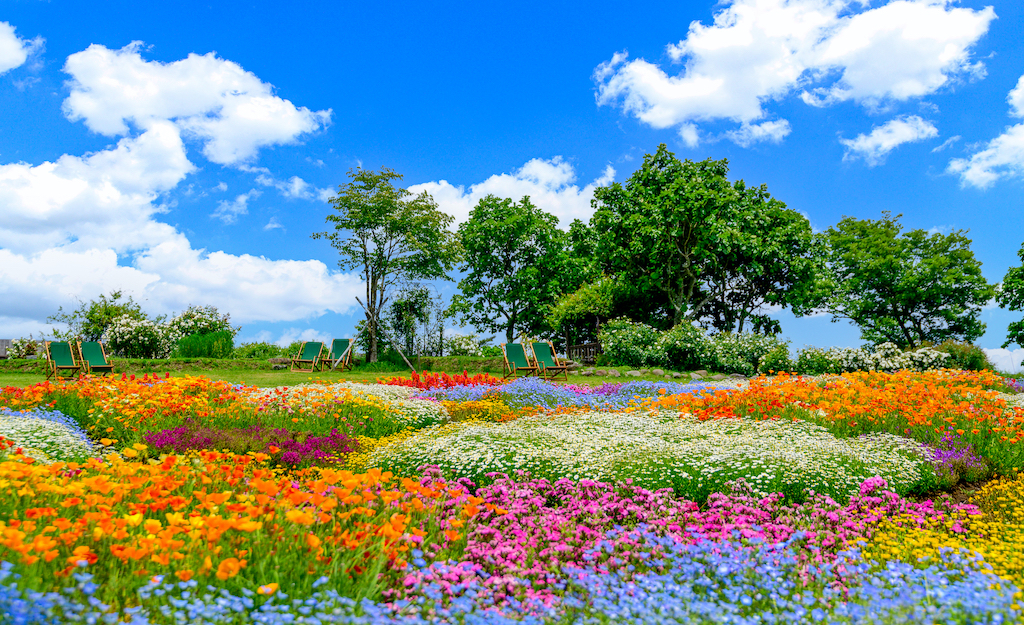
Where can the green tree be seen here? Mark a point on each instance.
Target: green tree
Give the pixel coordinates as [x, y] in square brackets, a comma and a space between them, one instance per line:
[388, 235]
[1011, 296]
[90, 320]
[904, 287]
[516, 266]
[695, 247]
[578, 315]
[411, 306]
[769, 256]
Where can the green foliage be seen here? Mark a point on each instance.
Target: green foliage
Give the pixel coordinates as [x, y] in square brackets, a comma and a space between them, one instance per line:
[965, 356]
[389, 236]
[581, 311]
[261, 351]
[775, 361]
[211, 345]
[1010, 295]
[701, 248]
[90, 320]
[906, 288]
[685, 347]
[411, 306]
[816, 361]
[515, 259]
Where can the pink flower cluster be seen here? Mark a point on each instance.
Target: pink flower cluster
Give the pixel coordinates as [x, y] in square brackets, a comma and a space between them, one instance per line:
[549, 527]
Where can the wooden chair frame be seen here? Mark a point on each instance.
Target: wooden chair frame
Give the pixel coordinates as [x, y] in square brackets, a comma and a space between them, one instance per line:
[551, 371]
[316, 362]
[511, 369]
[57, 370]
[88, 366]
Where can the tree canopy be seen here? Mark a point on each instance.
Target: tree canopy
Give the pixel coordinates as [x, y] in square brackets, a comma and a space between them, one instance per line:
[1011, 296]
[90, 320]
[904, 287]
[389, 235]
[516, 263]
[701, 248]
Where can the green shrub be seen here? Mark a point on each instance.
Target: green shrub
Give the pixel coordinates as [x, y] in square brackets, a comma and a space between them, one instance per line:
[964, 356]
[741, 353]
[816, 361]
[212, 345]
[631, 344]
[259, 351]
[686, 347]
[776, 360]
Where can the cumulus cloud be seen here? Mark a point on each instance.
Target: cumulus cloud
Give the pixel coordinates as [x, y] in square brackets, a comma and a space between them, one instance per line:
[14, 50]
[874, 147]
[228, 211]
[291, 335]
[1007, 360]
[759, 51]
[214, 100]
[1002, 157]
[80, 226]
[549, 183]
[107, 199]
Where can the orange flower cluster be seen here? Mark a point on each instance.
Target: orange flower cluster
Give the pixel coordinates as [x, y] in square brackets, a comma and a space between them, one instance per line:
[205, 518]
[853, 403]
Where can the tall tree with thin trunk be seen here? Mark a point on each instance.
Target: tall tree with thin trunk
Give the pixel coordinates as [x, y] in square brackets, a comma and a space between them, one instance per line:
[389, 235]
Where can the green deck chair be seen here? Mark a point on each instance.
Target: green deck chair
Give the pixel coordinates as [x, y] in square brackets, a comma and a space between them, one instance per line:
[311, 355]
[341, 354]
[545, 359]
[516, 362]
[94, 358]
[60, 360]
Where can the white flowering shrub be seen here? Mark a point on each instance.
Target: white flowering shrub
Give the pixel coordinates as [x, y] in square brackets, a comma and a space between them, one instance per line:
[460, 345]
[201, 320]
[684, 347]
[742, 353]
[140, 338]
[632, 344]
[22, 348]
[883, 357]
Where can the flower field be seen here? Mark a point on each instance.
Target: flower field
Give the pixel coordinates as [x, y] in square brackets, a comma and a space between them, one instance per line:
[468, 499]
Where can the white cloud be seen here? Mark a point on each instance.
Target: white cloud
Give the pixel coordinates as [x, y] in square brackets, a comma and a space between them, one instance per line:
[883, 139]
[291, 335]
[221, 186]
[749, 134]
[228, 211]
[14, 50]
[1003, 157]
[1007, 360]
[758, 51]
[104, 199]
[549, 183]
[214, 100]
[945, 144]
[294, 188]
[81, 226]
[273, 224]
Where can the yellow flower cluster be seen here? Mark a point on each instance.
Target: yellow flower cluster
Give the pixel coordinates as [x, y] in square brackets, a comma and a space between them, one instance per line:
[484, 410]
[995, 537]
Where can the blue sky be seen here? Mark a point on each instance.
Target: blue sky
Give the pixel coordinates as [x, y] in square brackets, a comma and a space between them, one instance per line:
[182, 151]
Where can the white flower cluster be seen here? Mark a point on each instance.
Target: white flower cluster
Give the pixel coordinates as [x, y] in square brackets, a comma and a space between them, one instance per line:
[884, 357]
[43, 439]
[140, 338]
[665, 449]
[684, 347]
[21, 348]
[202, 320]
[396, 399]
